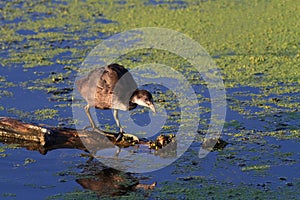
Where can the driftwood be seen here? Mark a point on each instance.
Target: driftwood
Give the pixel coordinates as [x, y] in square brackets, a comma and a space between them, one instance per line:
[45, 138]
[37, 137]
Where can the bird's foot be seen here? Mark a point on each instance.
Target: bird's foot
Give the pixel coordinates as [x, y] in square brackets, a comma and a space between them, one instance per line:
[133, 137]
[129, 137]
[95, 129]
[99, 131]
[120, 136]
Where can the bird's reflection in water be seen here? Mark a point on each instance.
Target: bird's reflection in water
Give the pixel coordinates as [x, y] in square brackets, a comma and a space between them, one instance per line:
[108, 181]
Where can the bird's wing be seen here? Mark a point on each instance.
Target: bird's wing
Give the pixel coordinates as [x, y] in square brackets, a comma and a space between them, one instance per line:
[88, 85]
[121, 85]
[108, 87]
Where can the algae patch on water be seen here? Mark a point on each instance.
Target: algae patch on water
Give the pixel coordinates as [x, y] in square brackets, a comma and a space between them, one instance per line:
[256, 167]
[5, 148]
[45, 114]
[255, 45]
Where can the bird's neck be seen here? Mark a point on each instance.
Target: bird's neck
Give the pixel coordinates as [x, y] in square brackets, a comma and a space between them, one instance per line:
[132, 105]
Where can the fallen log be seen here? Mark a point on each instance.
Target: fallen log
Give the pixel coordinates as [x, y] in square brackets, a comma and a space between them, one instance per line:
[37, 137]
[45, 138]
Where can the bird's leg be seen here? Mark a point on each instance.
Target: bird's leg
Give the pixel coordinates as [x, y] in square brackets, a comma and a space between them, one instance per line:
[87, 111]
[118, 124]
[117, 120]
[122, 133]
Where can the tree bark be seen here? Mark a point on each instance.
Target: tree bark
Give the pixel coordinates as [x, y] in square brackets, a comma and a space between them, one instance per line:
[45, 138]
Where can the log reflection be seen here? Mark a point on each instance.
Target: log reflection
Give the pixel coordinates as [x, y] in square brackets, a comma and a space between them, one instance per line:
[108, 181]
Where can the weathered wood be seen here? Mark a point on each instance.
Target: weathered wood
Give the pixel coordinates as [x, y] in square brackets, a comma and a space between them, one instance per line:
[37, 137]
[42, 138]
[12, 128]
[45, 138]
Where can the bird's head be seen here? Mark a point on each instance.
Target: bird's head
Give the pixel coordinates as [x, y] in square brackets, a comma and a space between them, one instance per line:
[143, 98]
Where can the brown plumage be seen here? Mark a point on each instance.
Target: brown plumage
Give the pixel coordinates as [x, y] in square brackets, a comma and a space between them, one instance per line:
[112, 87]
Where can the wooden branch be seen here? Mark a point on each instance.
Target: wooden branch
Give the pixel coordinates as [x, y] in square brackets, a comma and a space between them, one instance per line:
[45, 138]
[36, 137]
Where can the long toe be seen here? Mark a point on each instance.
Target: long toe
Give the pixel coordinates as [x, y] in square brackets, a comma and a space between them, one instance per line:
[99, 131]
